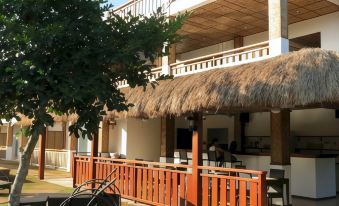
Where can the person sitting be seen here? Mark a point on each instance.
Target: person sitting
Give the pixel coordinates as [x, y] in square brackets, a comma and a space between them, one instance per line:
[215, 147]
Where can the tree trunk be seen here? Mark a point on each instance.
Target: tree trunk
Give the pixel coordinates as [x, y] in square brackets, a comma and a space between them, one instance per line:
[14, 197]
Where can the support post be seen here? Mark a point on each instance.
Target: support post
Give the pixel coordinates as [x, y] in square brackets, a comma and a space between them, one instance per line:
[239, 126]
[9, 142]
[239, 131]
[168, 60]
[278, 27]
[167, 137]
[104, 136]
[94, 153]
[197, 141]
[42, 153]
[280, 138]
[280, 135]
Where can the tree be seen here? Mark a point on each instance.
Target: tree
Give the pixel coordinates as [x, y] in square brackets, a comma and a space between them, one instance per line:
[66, 57]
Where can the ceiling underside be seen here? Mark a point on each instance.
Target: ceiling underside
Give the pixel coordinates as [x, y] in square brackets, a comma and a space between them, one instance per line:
[223, 20]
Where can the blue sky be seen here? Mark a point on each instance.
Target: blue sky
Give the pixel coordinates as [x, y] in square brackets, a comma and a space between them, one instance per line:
[117, 2]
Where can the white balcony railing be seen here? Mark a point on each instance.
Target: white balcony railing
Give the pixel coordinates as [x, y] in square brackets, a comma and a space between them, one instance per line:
[247, 54]
[141, 7]
[155, 74]
[228, 58]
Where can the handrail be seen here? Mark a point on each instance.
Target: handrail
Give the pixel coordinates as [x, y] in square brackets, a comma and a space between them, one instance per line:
[125, 4]
[142, 162]
[221, 53]
[232, 170]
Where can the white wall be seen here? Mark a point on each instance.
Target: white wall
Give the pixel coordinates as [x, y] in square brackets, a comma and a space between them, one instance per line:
[310, 122]
[118, 137]
[143, 139]
[314, 122]
[136, 138]
[259, 125]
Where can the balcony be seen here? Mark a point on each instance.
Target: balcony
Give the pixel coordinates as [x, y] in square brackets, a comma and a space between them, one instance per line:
[147, 7]
[225, 59]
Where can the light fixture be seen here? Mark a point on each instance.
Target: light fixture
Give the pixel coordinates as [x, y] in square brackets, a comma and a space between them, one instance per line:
[275, 111]
[191, 123]
[112, 121]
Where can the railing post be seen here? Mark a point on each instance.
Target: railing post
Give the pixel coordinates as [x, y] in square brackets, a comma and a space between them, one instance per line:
[74, 170]
[94, 153]
[262, 189]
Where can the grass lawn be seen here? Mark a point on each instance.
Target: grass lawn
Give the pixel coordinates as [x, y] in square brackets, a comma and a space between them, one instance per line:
[33, 186]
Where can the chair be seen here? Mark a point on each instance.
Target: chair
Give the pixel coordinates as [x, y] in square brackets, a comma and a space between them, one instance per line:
[183, 157]
[4, 182]
[276, 187]
[229, 158]
[96, 196]
[122, 156]
[212, 157]
[244, 175]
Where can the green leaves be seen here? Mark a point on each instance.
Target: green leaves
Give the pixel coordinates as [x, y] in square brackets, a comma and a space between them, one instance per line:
[63, 57]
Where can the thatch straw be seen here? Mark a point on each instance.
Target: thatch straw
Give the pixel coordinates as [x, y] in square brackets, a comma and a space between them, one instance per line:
[305, 77]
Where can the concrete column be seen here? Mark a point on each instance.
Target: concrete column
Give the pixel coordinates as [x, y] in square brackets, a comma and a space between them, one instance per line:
[278, 27]
[167, 137]
[9, 143]
[280, 152]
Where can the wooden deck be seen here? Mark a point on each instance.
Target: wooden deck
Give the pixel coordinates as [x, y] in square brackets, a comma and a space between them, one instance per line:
[173, 184]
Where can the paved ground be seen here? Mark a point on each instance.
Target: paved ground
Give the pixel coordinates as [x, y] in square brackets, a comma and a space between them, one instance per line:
[56, 182]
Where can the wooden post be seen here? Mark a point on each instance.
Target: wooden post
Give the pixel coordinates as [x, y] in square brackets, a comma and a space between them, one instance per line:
[104, 136]
[197, 140]
[167, 137]
[42, 153]
[94, 153]
[262, 189]
[238, 42]
[280, 136]
[9, 141]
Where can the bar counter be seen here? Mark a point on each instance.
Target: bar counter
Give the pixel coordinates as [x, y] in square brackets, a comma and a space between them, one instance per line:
[312, 176]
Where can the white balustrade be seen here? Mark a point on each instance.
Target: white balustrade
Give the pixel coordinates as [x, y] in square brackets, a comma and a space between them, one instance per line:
[223, 59]
[141, 7]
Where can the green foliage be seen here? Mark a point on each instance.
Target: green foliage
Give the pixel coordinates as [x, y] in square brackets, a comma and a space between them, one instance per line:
[65, 57]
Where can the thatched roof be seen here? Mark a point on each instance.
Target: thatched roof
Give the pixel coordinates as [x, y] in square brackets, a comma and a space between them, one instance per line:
[302, 78]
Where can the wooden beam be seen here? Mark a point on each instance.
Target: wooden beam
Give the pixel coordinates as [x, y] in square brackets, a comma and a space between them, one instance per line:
[280, 136]
[42, 153]
[74, 143]
[9, 140]
[197, 142]
[238, 42]
[172, 56]
[167, 143]
[105, 136]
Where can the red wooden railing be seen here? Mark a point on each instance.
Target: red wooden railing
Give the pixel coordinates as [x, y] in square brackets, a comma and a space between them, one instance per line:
[170, 184]
[228, 186]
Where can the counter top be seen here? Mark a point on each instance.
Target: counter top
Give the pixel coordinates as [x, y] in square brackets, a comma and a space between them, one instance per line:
[294, 155]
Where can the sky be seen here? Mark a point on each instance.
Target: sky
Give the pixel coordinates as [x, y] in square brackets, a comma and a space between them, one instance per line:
[116, 2]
